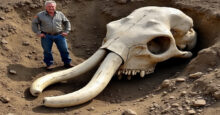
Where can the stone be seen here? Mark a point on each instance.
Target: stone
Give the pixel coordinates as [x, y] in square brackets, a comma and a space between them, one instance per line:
[2, 18]
[191, 112]
[175, 105]
[199, 102]
[4, 41]
[180, 108]
[10, 114]
[180, 79]
[4, 99]
[129, 112]
[183, 93]
[165, 83]
[164, 93]
[193, 93]
[209, 69]
[91, 109]
[171, 97]
[187, 101]
[12, 72]
[217, 94]
[196, 75]
[25, 44]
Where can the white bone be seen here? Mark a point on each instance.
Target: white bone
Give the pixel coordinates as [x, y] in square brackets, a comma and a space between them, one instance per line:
[133, 72]
[129, 72]
[142, 74]
[41, 83]
[119, 72]
[99, 81]
[150, 35]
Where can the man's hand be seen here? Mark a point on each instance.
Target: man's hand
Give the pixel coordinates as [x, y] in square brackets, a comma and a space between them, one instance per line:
[64, 34]
[41, 35]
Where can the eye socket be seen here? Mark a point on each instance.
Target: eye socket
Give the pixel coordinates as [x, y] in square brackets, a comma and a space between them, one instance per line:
[158, 45]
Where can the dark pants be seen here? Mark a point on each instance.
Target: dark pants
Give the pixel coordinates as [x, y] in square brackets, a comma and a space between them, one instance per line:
[61, 44]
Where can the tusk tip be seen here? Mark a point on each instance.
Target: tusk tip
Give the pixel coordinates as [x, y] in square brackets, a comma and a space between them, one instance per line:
[45, 101]
[35, 92]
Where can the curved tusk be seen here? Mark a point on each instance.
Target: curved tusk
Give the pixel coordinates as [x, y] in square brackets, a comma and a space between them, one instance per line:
[41, 83]
[99, 81]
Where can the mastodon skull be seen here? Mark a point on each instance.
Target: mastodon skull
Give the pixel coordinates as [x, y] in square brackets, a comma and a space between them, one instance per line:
[149, 35]
[136, 43]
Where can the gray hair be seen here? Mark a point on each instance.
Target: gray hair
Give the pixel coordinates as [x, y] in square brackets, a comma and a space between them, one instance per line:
[50, 2]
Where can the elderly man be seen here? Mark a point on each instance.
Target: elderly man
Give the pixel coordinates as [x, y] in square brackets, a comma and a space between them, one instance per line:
[48, 26]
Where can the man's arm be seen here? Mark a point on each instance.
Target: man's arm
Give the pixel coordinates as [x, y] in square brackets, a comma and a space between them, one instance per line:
[66, 23]
[35, 28]
[35, 24]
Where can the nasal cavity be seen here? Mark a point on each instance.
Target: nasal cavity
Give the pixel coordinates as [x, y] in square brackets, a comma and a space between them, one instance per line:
[158, 45]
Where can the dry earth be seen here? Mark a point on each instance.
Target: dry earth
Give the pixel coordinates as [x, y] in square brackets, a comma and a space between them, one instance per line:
[163, 92]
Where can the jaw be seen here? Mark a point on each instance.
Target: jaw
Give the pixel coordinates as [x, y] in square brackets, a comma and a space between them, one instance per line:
[137, 65]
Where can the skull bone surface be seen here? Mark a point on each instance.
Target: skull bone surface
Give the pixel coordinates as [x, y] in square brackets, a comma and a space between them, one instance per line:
[150, 35]
[133, 45]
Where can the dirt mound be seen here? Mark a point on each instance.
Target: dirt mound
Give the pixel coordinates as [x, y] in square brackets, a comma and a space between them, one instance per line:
[178, 86]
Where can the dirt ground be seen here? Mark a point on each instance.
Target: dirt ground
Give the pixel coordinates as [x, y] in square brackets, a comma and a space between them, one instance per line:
[193, 84]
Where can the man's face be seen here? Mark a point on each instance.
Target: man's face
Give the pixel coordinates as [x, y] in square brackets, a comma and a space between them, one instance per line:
[50, 7]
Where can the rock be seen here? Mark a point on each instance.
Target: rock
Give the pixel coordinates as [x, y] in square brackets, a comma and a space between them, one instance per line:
[180, 79]
[180, 108]
[129, 112]
[5, 35]
[183, 93]
[4, 99]
[4, 41]
[196, 75]
[217, 95]
[12, 72]
[25, 44]
[175, 105]
[164, 93]
[165, 83]
[193, 93]
[156, 105]
[187, 101]
[10, 114]
[171, 97]
[191, 112]
[209, 69]
[2, 18]
[91, 109]
[199, 102]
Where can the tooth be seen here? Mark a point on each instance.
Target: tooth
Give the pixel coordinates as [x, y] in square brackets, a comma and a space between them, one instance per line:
[129, 72]
[136, 72]
[142, 74]
[123, 71]
[126, 72]
[129, 77]
[133, 72]
[119, 72]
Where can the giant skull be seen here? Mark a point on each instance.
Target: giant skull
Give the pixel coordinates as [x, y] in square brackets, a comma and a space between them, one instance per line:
[133, 45]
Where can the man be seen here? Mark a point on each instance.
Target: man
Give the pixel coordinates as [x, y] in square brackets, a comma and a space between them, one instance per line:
[48, 26]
